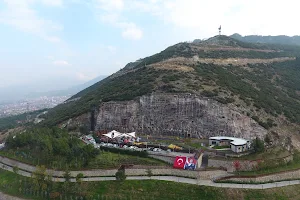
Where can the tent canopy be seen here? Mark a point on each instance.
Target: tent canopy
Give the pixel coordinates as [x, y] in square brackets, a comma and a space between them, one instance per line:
[131, 134]
[115, 134]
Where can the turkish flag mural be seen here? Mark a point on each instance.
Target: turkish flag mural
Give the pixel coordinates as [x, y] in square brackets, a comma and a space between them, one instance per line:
[182, 162]
[179, 162]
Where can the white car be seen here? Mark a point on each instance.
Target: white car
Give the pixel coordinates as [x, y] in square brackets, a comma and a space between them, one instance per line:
[157, 149]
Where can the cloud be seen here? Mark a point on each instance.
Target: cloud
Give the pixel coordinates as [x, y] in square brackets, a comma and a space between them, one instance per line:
[21, 15]
[202, 18]
[56, 3]
[131, 31]
[110, 5]
[111, 12]
[112, 49]
[61, 63]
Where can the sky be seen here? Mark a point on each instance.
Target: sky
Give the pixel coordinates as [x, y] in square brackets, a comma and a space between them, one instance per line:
[58, 43]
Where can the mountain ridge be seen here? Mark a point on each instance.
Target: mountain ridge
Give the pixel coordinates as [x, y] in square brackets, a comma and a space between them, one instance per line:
[241, 75]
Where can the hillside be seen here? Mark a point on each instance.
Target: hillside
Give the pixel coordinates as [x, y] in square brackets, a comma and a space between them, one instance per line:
[280, 39]
[253, 85]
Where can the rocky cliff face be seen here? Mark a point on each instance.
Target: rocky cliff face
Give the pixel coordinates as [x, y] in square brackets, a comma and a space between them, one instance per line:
[178, 115]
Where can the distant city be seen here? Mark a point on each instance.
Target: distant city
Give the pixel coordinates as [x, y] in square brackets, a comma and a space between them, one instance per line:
[30, 105]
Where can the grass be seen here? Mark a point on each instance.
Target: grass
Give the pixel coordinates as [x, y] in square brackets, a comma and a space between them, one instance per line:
[108, 160]
[14, 184]
[281, 168]
[221, 147]
[105, 160]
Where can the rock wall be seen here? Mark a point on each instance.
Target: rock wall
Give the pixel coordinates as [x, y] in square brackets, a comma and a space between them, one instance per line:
[177, 115]
[289, 175]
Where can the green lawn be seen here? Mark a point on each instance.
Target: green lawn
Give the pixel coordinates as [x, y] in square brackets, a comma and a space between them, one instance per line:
[15, 185]
[108, 160]
[270, 170]
[221, 147]
[105, 160]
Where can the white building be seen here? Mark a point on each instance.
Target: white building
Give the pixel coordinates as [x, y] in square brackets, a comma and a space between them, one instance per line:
[237, 145]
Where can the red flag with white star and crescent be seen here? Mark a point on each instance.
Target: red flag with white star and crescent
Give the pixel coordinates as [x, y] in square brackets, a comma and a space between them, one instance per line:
[179, 162]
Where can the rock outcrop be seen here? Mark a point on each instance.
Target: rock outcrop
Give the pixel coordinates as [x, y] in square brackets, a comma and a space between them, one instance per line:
[186, 115]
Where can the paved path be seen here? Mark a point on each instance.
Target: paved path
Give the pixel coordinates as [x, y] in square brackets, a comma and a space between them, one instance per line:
[25, 170]
[7, 197]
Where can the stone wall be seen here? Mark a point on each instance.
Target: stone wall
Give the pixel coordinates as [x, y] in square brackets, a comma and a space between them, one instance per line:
[178, 115]
[289, 175]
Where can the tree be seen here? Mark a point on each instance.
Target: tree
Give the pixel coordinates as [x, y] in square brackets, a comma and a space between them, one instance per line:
[149, 172]
[89, 153]
[67, 184]
[120, 175]
[67, 175]
[16, 169]
[79, 178]
[258, 145]
[237, 165]
[38, 178]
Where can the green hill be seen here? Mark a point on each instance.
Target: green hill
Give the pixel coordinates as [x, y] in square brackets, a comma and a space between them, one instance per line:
[261, 80]
[280, 39]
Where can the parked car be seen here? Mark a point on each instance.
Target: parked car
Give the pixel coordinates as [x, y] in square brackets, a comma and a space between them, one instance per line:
[150, 148]
[157, 149]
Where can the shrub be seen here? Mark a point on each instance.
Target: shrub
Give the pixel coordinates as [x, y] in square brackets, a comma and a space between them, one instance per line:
[258, 145]
[120, 175]
[149, 172]
[143, 154]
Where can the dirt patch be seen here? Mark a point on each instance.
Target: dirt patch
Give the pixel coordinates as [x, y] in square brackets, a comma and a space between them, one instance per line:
[242, 61]
[183, 64]
[172, 66]
[229, 48]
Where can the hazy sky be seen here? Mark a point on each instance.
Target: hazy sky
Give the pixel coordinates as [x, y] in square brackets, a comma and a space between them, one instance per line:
[64, 41]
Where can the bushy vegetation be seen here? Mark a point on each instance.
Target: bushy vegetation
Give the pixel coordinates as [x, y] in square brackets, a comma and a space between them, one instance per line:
[51, 147]
[14, 121]
[16, 185]
[272, 87]
[258, 145]
[121, 88]
[280, 39]
[275, 99]
[143, 154]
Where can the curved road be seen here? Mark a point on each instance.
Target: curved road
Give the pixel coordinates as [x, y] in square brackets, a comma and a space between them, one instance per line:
[25, 170]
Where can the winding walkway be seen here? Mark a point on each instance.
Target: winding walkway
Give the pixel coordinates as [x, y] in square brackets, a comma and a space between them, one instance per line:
[25, 170]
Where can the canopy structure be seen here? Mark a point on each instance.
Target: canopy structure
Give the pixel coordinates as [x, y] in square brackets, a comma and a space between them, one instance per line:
[115, 134]
[124, 135]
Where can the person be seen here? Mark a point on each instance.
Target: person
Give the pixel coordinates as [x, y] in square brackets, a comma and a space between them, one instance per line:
[190, 163]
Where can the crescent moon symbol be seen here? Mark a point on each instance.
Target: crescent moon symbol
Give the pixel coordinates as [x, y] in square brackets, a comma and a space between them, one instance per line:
[181, 161]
